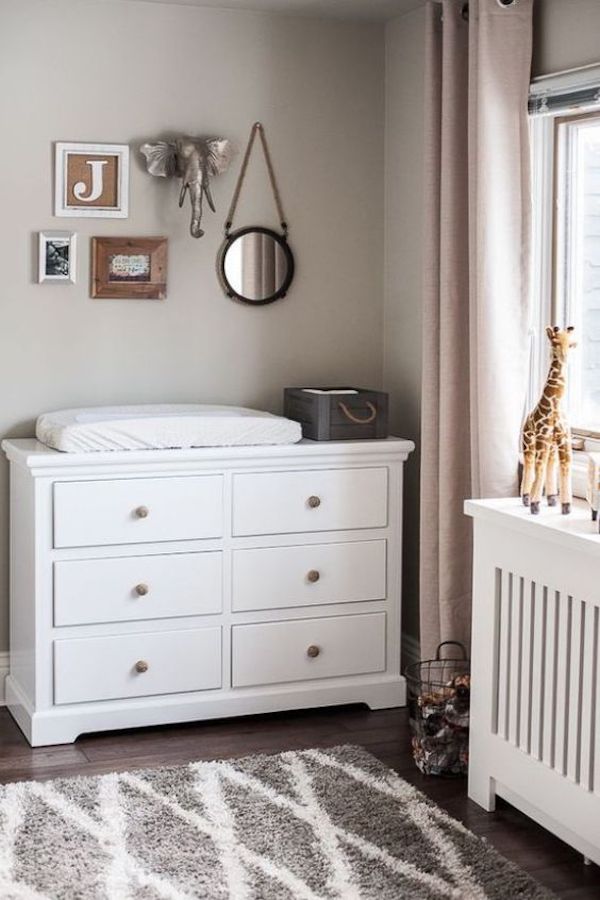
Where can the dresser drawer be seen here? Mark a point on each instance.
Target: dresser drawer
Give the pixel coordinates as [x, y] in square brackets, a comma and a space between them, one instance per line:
[137, 510]
[276, 652]
[280, 577]
[136, 665]
[88, 591]
[313, 500]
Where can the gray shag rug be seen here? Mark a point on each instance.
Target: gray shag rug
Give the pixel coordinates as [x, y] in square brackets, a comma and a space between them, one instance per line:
[315, 825]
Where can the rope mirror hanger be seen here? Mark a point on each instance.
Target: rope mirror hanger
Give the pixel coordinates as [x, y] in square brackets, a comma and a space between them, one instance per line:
[255, 264]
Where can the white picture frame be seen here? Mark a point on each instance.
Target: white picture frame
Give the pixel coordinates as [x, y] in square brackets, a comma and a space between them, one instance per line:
[79, 199]
[59, 267]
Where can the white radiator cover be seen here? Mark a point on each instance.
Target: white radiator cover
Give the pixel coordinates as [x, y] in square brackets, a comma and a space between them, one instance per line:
[535, 706]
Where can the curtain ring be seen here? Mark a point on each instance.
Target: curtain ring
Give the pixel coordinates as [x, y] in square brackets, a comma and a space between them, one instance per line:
[465, 12]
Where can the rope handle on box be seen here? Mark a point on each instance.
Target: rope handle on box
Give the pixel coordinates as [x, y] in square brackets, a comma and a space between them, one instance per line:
[356, 419]
[257, 128]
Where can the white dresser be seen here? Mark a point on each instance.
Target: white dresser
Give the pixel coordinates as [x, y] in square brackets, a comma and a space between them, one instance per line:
[176, 585]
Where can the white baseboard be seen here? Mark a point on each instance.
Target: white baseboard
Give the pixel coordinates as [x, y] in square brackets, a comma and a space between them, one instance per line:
[411, 650]
[3, 674]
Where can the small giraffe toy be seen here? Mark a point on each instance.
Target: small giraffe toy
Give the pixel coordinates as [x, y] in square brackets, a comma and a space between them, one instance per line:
[546, 436]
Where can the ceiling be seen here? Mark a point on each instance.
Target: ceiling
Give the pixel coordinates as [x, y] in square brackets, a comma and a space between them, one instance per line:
[360, 10]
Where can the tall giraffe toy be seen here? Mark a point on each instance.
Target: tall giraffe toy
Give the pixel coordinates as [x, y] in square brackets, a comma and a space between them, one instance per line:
[546, 436]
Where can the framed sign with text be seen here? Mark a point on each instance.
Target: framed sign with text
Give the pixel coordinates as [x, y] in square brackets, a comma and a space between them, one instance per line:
[129, 268]
[91, 180]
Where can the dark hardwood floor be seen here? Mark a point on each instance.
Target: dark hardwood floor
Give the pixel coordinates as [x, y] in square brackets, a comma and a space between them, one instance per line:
[385, 734]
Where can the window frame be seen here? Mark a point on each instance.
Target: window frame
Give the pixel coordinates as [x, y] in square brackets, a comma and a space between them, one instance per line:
[554, 101]
[563, 286]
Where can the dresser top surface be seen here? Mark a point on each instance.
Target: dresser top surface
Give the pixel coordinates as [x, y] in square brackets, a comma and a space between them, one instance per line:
[32, 454]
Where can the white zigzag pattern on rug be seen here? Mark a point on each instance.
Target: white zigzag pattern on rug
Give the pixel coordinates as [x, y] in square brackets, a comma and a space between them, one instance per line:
[218, 823]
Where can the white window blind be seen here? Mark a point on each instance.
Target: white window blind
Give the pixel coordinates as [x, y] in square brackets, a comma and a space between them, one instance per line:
[573, 91]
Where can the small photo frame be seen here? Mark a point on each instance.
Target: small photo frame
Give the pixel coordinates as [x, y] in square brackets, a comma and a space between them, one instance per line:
[129, 268]
[91, 180]
[57, 257]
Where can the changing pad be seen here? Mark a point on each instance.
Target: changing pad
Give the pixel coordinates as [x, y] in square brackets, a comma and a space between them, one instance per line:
[167, 426]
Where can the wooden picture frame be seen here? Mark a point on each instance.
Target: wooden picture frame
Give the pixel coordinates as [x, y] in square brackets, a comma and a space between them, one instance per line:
[129, 268]
[57, 257]
[91, 180]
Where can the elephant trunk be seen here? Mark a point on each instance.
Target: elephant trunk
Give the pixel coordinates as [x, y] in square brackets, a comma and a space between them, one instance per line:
[196, 201]
[198, 184]
[196, 195]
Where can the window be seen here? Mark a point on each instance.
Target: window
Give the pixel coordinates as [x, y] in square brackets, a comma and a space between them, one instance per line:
[577, 264]
[566, 259]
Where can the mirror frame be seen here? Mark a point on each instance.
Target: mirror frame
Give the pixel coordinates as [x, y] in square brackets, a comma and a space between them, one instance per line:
[281, 239]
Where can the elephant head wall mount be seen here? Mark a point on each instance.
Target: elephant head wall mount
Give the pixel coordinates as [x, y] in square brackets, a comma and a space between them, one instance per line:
[194, 160]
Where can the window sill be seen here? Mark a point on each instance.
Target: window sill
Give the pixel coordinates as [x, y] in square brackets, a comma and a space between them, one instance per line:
[579, 471]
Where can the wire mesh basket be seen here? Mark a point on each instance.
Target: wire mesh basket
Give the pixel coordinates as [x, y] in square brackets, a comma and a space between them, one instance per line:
[438, 704]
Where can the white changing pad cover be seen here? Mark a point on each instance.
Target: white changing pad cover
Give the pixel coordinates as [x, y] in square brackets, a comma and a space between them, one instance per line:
[162, 426]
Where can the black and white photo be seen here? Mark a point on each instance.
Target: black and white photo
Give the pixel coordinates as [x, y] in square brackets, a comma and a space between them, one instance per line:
[56, 256]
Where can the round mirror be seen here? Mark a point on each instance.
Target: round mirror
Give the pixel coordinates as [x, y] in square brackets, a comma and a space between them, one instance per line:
[255, 265]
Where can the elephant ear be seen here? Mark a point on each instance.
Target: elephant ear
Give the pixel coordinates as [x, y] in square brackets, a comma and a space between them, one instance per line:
[219, 154]
[161, 158]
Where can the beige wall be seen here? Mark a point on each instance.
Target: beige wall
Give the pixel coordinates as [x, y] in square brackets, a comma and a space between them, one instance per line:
[566, 35]
[100, 70]
[402, 285]
[97, 70]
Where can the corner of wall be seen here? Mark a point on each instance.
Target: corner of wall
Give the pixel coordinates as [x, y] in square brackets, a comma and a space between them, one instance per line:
[404, 175]
[404, 138]
[3, 674]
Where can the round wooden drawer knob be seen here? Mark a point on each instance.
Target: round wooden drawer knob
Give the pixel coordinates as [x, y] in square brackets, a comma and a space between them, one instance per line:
[313, 576]
[142, 512]
[313, 651]
[141, 666]
[141, 589]
[313, 502]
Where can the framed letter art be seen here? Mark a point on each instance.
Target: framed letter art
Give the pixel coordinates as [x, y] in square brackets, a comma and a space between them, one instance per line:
[129, 268]
[91, 180]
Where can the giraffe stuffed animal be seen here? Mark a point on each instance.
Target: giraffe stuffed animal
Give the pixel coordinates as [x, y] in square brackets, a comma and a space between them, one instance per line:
[546, 436]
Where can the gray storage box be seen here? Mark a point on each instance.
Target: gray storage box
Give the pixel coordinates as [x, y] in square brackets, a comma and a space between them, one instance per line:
[338, 415]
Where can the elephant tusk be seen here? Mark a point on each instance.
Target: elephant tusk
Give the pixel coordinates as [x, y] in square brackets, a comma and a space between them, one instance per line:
[206, 186]
[184, 188]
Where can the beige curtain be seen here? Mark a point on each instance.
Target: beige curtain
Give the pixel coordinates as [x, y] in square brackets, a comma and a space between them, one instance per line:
[475, 304]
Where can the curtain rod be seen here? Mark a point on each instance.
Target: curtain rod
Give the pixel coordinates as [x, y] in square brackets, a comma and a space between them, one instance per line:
[464, 11]
[504, 3]
[465, 8]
